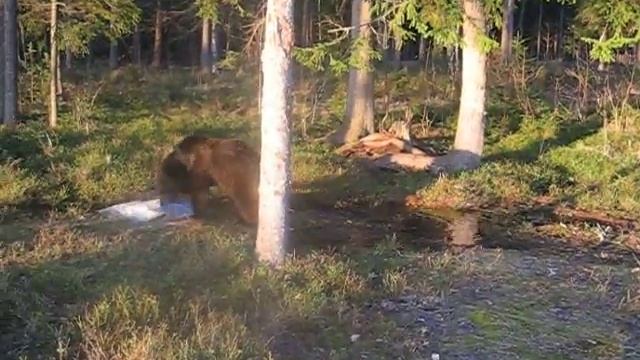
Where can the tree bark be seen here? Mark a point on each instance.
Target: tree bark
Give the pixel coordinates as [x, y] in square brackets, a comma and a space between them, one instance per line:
[523, 8]
[560, 50]
[422, 49]
[113, 54]
[539, 30]
[359, 111]
[10, 62]
[275, 175]
[157, 38]
[215, 43]
[205, 47]
[469, 141]
[137, 47]
[58, 76]
[53, 66]
[68, 59]
[308, 12]
[506, 42]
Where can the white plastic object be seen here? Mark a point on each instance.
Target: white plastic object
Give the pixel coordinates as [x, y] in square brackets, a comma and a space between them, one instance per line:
[143, 211]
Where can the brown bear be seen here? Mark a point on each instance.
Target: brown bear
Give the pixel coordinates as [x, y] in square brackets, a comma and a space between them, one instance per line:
[198, 163]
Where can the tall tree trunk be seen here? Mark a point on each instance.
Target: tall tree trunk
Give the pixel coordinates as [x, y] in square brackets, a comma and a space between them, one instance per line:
[68, 59]
[215, 43]
[10, 62]
[275, 155]
[523, 8]
[53, 66]
[539, 30]
[137, 47]
[157, 38]
[205, 47]
[113, 54]
[1, 61]
[308, 13]
[560, 51]
[506, 42]
[58, 76]
[359, 111]
[469, 141]
[422, 49]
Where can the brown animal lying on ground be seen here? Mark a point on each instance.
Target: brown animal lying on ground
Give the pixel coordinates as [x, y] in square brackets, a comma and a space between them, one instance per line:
[199, 162]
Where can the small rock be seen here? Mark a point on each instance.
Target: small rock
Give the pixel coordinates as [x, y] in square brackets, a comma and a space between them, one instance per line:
[435, 356]
[355, 337]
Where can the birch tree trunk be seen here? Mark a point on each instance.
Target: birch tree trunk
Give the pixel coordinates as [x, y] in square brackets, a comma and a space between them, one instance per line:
[10, 62]
[273, 226]
[215, 43]
[469, 141]
[53, 66]
[359, 112]
[506, 42]
[205, 47]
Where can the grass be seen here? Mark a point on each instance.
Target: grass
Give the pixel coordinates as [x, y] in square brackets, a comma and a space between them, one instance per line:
[72, 289]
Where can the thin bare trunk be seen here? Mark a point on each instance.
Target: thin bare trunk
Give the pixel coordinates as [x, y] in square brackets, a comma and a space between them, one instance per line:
[113, 54]
[137, 47]
[53, 66]
[523, 8]
[539, 30]
[58, 76]
[506, 42]
[422, 49]
[157, 39]
[560, 50]
[469, 141]
[359, 111]
[308, 12]
[10, 62]
[275, 174]
[68, 59]
[215, 43]
[205, 47]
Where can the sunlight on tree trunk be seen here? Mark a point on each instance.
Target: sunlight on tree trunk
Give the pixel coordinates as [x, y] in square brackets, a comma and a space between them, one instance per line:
[10, 62]
[275, 175]
[157, 38]
[506, 42]
[53, 66]
[215, 43]
[469, 141]
[359, 112]
[205, 47]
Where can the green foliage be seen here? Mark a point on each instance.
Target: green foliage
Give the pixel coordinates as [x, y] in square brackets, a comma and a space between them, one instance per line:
[608, 26]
